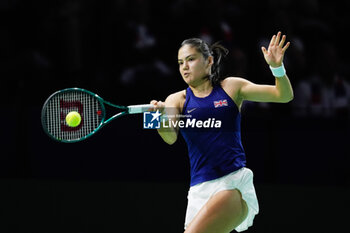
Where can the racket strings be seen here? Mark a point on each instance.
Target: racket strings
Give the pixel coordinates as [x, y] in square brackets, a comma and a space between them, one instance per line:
[61, 104]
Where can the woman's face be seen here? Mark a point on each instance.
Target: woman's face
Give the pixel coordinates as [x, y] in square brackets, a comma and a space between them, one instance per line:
[193, 67]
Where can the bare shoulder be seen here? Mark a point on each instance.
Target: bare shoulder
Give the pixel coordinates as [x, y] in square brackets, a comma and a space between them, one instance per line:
[177, 96]
[176, 99]
[232, 85]
[230, 81]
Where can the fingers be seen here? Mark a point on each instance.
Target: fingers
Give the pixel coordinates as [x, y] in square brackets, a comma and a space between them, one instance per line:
[275, 52]
[282, 41]
[272, 42]
[158, 105]
[277, 40]
[154, 102]
[285, 47]
[263, 49]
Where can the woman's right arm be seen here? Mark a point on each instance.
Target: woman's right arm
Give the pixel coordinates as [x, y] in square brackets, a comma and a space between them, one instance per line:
[171, 110]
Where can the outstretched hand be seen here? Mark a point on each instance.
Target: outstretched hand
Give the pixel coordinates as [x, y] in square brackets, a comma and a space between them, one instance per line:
[275, 53]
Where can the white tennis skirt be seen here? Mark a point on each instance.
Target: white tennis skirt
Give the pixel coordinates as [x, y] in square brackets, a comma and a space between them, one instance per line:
[241, 179]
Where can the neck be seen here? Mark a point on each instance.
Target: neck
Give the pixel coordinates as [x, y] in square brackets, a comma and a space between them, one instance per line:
[203, 89]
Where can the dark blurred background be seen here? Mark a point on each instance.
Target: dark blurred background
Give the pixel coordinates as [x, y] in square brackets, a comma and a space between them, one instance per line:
[125, 179]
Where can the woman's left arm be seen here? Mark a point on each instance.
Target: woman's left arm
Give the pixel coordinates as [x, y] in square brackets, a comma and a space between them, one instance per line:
[282, 91]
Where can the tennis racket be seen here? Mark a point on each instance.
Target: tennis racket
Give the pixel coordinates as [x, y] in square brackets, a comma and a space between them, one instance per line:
[91, 108]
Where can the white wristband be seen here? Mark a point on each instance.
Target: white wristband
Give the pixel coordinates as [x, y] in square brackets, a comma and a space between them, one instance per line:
[278, 72]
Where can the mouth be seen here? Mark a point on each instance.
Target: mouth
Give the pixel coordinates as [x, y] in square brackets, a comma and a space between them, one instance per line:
[186, 74]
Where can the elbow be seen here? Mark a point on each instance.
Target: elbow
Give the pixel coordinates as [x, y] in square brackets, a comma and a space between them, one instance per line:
[168, 137]
[291, 97]
[170, 141]
[287, 99]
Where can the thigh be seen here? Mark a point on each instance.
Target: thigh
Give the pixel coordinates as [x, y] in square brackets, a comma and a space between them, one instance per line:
[221, 214]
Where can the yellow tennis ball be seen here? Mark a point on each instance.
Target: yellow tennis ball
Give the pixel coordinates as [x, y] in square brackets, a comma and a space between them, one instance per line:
[73, 119]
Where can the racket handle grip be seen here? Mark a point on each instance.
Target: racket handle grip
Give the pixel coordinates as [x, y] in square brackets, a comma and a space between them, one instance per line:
[140, 108]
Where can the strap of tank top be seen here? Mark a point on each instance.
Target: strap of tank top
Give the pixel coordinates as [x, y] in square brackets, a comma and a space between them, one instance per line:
[186, 101]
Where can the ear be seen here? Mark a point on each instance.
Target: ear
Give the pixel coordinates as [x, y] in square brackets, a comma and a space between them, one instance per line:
[210, 60]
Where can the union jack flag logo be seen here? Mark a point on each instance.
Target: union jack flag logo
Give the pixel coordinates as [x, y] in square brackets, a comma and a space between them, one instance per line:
[220, 103]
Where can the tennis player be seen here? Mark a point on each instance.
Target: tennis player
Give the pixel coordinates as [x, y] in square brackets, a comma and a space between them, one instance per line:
[222, 195]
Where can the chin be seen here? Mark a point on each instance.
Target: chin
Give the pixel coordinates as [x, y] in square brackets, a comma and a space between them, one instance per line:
[187, 80]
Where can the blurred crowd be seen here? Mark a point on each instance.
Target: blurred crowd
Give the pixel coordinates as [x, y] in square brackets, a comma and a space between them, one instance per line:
[128, 48]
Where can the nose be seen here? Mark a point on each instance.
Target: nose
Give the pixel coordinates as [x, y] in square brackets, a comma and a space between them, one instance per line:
[185, 65]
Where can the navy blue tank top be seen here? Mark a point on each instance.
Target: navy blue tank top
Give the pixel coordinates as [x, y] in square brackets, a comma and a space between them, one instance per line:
[213, 151]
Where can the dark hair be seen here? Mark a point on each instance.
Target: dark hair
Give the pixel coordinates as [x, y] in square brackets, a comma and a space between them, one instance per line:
[216, 50]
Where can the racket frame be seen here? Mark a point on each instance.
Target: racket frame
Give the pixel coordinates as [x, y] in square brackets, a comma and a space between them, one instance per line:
[103, 122]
